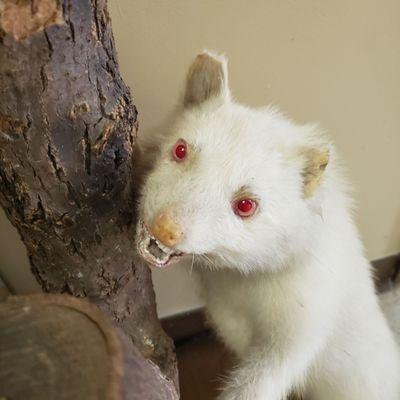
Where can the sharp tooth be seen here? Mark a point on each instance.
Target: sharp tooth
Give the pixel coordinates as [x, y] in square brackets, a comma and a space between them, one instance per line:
[155, 251]
[164, 248]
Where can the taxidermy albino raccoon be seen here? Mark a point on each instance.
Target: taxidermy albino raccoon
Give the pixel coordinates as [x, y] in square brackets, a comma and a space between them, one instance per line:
[261, 205]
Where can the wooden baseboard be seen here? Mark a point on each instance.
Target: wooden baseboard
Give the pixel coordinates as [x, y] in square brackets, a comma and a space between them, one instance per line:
[387, 271]
[186, 325]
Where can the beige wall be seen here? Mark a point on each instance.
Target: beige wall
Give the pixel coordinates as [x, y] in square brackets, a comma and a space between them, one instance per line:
[335, 62]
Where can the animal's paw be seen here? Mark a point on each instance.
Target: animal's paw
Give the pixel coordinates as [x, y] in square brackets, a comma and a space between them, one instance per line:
[235, 394]
[249, 392]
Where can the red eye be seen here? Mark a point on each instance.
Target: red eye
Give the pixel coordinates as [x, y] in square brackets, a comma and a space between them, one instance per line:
[245, 207]
[180, 150]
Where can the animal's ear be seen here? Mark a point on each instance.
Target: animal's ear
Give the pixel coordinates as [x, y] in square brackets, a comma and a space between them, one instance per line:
[207, 78]
[316, 161]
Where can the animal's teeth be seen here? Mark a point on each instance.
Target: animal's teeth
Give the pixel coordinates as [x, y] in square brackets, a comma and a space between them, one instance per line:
[149, 245]
[164, 248]
[152, 250]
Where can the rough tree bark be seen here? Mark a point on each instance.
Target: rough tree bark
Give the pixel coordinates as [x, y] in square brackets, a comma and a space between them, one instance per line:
[67, 132]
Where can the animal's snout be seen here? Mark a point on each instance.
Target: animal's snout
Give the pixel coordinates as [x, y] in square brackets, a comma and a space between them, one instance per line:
[166, 230]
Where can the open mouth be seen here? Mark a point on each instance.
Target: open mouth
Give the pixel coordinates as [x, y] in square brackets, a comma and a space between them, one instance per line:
[152, 250]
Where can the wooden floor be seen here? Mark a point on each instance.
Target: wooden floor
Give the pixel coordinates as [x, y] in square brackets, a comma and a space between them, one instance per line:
[202, 361]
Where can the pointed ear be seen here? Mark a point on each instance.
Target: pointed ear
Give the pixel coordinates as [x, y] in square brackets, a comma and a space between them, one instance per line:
[316, 161]
[207, 78]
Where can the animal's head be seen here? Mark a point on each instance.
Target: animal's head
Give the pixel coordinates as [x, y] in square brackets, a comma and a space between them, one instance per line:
[237, 185]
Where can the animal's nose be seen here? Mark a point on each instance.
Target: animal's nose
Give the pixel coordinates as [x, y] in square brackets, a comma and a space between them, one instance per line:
[166, 230]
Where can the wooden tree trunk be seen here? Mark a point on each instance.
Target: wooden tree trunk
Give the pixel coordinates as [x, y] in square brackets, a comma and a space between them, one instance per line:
[55, 346]
[67, 132]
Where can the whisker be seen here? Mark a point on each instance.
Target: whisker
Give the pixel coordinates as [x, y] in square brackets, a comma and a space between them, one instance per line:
[191, 266]
[209, 261]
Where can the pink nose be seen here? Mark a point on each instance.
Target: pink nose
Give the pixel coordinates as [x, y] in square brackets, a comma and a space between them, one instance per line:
[166, 230]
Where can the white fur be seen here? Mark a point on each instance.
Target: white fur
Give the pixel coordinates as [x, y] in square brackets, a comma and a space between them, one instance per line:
[289, 290]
